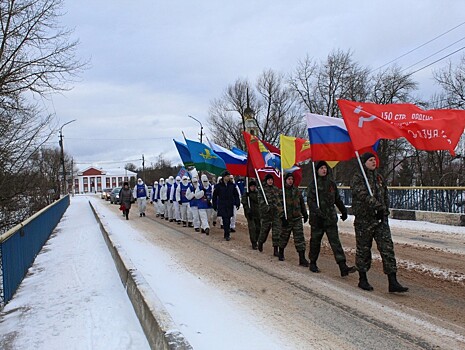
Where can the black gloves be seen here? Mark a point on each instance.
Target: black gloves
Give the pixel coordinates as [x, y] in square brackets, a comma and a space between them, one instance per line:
[284, 222]
[156, 200]
[379, 214]
[209, 202]
[237, 207]
[171, 201]
[162, 201]
[344, 216]
[180, 203]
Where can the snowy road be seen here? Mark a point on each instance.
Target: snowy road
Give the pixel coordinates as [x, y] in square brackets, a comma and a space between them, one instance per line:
[223, 295]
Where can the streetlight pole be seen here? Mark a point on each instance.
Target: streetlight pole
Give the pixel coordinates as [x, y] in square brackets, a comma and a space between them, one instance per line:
[63, 154]
[201, 126]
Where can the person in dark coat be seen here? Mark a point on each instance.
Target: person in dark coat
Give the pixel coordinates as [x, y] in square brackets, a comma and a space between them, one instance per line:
[225, 198]
[125, 199]
[252, 212]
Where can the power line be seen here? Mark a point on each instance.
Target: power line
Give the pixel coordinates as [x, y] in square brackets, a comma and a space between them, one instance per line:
[463, 47]
[119, 139]
[418, 47]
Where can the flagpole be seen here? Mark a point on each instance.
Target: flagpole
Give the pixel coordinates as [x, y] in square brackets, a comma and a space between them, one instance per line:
[284, 195]
[261, 186]
[316, 185]
[247, 189]
[364, 174]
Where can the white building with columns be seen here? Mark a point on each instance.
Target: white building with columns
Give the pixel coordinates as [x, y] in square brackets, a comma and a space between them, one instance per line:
[93, 179]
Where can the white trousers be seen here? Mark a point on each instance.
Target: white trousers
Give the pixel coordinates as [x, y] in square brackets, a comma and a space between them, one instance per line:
[195, 217]
[205, 215]
[177, 211]
[233, 219]
[142, 204]
[184, 208]
[169, 211]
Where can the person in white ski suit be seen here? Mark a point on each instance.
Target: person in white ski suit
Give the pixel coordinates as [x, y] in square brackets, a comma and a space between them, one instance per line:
[169, 210]
[154, 199]
[176, 206]
[163, 198]
[182, 199]
[204, 194]
[141, 193]
[193, 203]
[158, 205]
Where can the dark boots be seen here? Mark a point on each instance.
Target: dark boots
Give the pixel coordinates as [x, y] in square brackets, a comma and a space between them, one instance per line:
[280, 254]
[394, 286]
[302, 260]
[313, 267]
[260, 246]
[254, 245]
[345, 270]
[275, 251]
[363, 281]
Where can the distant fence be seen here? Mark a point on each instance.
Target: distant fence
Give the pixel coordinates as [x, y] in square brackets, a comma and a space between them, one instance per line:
[20, 245]
[435, 199]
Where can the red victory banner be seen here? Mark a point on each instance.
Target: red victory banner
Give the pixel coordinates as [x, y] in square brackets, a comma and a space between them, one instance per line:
[428, 130]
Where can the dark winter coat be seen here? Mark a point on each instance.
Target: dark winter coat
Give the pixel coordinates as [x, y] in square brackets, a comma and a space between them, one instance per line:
[225, 198]
[328, 195]
[125, 197]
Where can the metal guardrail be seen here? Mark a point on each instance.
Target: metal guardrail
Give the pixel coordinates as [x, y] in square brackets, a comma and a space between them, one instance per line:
[437, 199]
[20, 245]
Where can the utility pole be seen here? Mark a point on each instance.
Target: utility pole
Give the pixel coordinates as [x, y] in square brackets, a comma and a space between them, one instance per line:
[72, 177]
[143, 168]
[64, 188]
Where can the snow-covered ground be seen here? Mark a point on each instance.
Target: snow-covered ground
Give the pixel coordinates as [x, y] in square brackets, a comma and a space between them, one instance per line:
[73, 298]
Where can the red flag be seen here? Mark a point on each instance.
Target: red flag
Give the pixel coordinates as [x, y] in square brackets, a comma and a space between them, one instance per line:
[430, 130]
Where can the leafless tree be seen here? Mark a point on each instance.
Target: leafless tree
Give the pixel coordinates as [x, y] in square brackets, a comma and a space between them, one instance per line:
[37, 58]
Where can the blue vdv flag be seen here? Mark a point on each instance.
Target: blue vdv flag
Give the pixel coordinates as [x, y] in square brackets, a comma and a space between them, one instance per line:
[205, 158]
[184, 153]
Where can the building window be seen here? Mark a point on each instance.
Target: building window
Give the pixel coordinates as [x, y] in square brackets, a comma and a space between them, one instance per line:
[107, 182]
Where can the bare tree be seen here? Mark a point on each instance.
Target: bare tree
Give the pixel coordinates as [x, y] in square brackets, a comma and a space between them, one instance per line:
[37, 58]
[275, 106]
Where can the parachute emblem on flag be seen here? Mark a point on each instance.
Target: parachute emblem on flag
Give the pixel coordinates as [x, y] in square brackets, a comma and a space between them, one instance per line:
[207, 155]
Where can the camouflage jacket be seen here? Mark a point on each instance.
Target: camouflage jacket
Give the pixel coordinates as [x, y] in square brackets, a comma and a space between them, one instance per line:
[365, 206]
[250, 204]
[295, 205]
[275, 201]
[328, 196]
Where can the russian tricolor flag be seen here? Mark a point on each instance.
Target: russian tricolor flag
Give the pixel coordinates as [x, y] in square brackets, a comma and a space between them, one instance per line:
[235, 163]
[329, 138]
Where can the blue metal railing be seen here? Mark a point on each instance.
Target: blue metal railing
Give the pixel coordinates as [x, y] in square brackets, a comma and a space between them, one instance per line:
[20, 245]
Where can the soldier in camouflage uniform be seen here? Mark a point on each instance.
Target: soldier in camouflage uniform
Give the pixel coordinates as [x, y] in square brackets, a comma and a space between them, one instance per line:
[252, 212]
[295, 209]
[270, 214]
[324, 218]
[371, 222]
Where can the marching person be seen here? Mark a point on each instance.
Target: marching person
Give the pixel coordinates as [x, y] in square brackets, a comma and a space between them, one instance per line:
[323, 219]
[141, 193]
[169, 208]
[204, 194]
[296, 210]
[182, 199]
[233, 219]
[252, 212]
[215, 218]
[125, 199]
[154, 200]
[371, 222]
[176, 205]
[163, 199]
[225, 198]
[193, 203]
[270, 214]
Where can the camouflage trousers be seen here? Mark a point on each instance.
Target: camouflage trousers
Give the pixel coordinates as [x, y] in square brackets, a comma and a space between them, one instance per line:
[254, 229]
[333, 238]
[297, 228]
[269, 222]
[365, 232]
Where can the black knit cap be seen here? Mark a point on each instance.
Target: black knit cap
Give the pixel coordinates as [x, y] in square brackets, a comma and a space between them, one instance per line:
[252, 183]
[268, 176]
[288, 175]
[320, 164]
[365, 156]
[225, 173]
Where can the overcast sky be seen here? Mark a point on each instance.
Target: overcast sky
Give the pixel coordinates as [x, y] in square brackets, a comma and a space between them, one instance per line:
[153, 63]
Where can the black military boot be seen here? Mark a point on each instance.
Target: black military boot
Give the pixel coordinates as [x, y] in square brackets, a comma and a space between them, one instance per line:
[260, 246]
[345, 270]
[280, 254]
[313, 267]
[394, 286]
[363, 281]
[302, 260]
[254, 245]
[275, 251]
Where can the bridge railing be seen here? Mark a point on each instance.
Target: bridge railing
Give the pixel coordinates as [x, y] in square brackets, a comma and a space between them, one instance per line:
[20, 245]
[437, 199]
